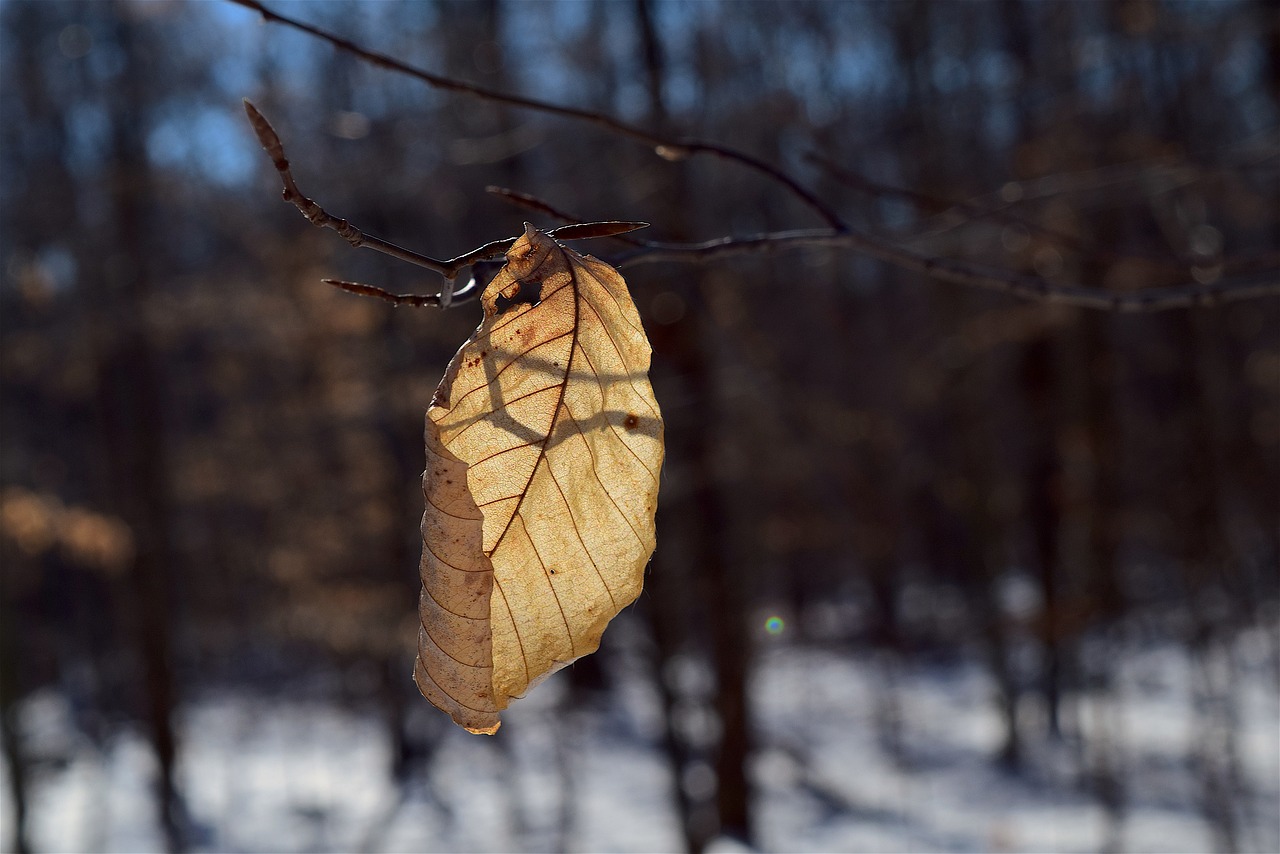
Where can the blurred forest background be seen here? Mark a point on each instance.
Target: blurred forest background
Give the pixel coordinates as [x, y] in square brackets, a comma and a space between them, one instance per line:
[210, 460]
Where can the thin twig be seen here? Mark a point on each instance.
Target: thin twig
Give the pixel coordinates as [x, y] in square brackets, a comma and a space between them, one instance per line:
[532, 203]
[973, 212]
[317, 215]
[671, 148]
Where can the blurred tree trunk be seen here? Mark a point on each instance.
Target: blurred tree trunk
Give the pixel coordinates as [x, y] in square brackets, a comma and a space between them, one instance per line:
[968, 479]
[129, 405]
[1044, 507]
[400, 437]
[720, 593]
[984, 550]
[1213, 580]
[666, 613]
[15, 757]
[1102, 438]
[1041, 384]
[685, 346]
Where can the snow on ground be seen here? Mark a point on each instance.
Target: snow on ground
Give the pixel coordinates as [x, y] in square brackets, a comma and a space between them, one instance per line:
[270, 775]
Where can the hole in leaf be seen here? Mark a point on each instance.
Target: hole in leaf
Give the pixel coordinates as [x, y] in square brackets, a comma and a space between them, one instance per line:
[530, 292]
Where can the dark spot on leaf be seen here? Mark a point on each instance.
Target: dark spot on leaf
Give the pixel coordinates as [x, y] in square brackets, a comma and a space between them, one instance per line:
[631, 421]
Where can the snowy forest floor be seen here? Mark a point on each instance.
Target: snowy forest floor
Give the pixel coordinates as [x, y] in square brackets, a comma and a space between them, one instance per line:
[854, 754]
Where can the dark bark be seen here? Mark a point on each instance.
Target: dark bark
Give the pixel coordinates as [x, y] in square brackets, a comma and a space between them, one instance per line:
[15, 755]
[130, 412]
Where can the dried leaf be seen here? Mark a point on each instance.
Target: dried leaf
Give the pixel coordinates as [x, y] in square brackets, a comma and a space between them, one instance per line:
[544, 445]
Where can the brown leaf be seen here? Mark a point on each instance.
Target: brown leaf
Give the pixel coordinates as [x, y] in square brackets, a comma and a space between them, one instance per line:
[544, 446]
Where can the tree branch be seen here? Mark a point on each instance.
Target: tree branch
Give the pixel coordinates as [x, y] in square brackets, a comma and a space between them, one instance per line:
[318, 216]
[670, 148]
[964, 273]
[839, 235]
[1236, 264]
[943, 269]
[972, 212]
[535, 204]
[416, 300]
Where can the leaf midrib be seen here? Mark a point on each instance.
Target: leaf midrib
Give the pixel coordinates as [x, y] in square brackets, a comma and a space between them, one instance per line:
[542, 455]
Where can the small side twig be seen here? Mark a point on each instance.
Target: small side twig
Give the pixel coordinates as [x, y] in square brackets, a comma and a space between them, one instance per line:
[531, 203]
[575, 222]
[317, 215]
[372, 291]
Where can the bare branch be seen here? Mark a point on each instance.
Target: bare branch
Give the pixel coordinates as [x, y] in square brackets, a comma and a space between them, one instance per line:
[317, 215]
[973, 212]
[958, 272]
[838, 236]
[963, 273]
[670, 148]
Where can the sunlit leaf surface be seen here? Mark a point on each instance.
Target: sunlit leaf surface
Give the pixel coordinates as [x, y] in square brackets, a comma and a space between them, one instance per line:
[544, 447]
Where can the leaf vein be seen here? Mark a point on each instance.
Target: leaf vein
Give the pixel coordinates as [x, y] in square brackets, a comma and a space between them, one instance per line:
[596, 474]
[506, 606]
[577, 531]
[519, 447]
[447, 609]
[547, 574]
[485, 419]
[450, 515]
[614, 428]
[564, 384]
[437, 645]
[621, 311]
[514, 360]
[627, 372]
[427, 670]
[427, 546]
